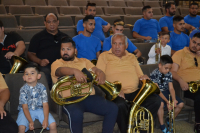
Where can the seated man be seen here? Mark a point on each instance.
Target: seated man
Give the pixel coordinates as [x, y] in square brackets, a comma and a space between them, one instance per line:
[146, 28]
[69, 64]
[118, 27]
[11, 44]
[166, 22]
[101, 25]
[87, 45]
[7, 123]
[120, 65]
[192, 18]
[186, 68]
[178, 39]
[44, 47]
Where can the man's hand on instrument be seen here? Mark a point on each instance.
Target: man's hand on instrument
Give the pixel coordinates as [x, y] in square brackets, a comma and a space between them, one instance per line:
[184, 85]
[144, 77]
[80, 77]
[2, 112]
[121, 94]
[9, 55]
[44, 62]
[101, 77]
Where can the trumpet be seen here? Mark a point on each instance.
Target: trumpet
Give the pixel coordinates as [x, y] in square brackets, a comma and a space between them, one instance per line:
[158, 45]
[171, 116]
[194, 86]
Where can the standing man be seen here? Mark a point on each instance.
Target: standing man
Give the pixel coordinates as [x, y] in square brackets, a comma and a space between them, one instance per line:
[101, 25]
[44, 47]
[186, 68]
[166, 22]
[87, 45]
[11, 44]
[192, 18]
[146, 28]
[118, 27]
[178, 39]
[7, 123]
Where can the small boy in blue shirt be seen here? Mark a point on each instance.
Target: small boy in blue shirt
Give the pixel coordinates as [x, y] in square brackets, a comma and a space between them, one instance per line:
[33, 103]
[163, 78]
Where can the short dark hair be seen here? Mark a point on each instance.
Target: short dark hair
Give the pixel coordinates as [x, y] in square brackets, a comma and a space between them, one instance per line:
[32, 65]
[118, 22]
[45, 17]
[197, 35]
[162, 33]
[90, 4]
[177, 18]
[145, 8]
[87, 17]
[1, 24]
[67, 39]
[166, 59]
[168, 5]
[195, 4]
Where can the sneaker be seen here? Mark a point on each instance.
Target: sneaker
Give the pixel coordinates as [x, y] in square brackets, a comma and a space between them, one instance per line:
[197, 128]
[165, 130]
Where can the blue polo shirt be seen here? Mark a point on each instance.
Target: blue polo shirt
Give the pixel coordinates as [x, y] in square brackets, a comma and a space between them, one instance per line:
[87, 47]
[194, 32]
[147, 27]
[98, 31]
[107, 45]
[167, 21]
[178, 41]
[194, 21]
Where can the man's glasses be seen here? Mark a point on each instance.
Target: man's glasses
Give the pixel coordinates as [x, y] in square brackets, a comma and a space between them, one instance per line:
[196, 63]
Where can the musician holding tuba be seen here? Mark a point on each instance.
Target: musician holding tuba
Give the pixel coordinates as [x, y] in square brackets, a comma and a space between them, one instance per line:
[11, 44]
[186, 68]
[163, 78]
[120, 65]
[69, 64]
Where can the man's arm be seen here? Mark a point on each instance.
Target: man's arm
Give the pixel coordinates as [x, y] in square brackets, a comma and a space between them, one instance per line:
[101, 77]
[136, 35]
[106, 27]
[80, 32]
[4, 97]
[137, 53]
[32, 56]
[46, 115]
[189, 27]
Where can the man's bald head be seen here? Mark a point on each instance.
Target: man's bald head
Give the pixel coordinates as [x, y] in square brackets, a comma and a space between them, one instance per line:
[50, 14]
[51, 23]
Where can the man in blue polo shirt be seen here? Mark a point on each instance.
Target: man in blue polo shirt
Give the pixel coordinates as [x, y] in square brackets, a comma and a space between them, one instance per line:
[166, 22]
[101, 26]
[146, 28]
[118, 27]
[87, 45]
[192, 18]
[178, 40]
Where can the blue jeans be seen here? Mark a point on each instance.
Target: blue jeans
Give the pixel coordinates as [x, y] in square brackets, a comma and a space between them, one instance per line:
[94, 104]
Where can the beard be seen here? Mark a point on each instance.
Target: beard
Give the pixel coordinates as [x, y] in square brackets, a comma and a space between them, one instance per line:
[172, 13]
[193, 15]
[192, 51]
[89, 31]
[69, 58]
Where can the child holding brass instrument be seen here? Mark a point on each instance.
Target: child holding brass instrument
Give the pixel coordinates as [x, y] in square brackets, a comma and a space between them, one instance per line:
[33, 102]
[162, 49]
[163, 78]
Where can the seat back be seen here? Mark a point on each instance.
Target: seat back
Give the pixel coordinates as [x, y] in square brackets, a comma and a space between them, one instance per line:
[135, 4]
[152, 3]
[65, 21]
[70, 10]
[113, 11]
[35, 2]
[78, 3]
[57, 3]
[100, 3]
[128, 33]
[99, 11]
[110, 19]
[117, 3]
[9, 21]
[12, 2]
[147, 69]
[43, 10]
[157, 11]
[16, 9]
[3, 10]
[32, 21]
[133, 11]
[69, 32]
[131, 19]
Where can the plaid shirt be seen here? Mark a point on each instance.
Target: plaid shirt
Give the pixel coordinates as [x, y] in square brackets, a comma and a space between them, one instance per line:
[33, 96]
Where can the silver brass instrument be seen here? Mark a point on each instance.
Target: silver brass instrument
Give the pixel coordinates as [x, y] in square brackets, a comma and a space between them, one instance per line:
[194, 86]
[137, 119]
[171, 116]
[113, 89]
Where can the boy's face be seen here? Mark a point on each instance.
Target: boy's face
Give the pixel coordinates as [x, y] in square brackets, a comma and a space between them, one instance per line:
[31, 76]
[164, 68]
[164, 39]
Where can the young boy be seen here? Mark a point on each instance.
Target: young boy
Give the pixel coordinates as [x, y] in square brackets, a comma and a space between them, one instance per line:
[33, 103]
[165, 49]
[163, 78]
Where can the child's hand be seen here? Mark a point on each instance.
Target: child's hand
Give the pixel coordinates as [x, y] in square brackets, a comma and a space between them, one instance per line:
[169, 106]
[158, 51]
[45, 124]
[31, 125]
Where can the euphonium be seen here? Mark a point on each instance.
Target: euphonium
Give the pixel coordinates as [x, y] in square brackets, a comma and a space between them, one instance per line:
[136, 122]
[171, 114]
[112, 89]
[194, 86]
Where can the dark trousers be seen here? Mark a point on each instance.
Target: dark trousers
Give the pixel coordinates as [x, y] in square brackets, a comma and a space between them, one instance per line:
[47, 72]
[8, 124]
[196, 98]
[152, 103]
[94, 104]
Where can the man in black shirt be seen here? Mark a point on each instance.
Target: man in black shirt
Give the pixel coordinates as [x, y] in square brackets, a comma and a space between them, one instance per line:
[44, 47]
[10, 44]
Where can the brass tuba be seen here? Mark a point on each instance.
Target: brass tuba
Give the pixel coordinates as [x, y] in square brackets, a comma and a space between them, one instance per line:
[194, 86]
[137, 119]
[112, 89]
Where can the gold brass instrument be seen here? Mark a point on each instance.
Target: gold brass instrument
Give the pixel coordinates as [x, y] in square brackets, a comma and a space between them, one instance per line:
[136, 122]
[194, 86]
[112, 89]
[157, 45]
[171, 117]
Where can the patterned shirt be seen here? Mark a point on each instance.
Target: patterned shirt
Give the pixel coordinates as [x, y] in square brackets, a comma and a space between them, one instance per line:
[161, 79]
[33, 96]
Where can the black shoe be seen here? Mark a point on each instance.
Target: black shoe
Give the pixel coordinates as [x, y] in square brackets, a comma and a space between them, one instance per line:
[197, 128]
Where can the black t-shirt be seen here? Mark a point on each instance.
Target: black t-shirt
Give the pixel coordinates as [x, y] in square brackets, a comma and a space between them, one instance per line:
[9, 45]
[46, 45]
